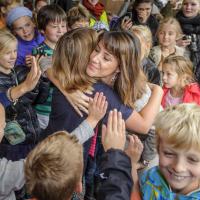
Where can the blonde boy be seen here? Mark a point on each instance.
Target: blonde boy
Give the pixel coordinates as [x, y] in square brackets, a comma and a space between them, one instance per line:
[53, 170]
[178, 144]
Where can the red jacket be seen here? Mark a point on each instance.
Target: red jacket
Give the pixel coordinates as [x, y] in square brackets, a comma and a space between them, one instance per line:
[191, 94]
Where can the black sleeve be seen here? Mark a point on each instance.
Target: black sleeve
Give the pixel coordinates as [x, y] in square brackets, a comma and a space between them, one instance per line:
[115, 176]
[197, 73]
[43, 90]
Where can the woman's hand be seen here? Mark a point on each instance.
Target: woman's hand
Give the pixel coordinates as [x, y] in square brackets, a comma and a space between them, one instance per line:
[79, 101]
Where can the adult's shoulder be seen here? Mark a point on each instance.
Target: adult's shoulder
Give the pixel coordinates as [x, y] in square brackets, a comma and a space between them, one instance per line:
[113, 99]
[102, 87]
[108, 91]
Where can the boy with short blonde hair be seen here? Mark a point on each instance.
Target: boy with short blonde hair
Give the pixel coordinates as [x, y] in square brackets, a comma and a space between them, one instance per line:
[178, 144]
[53, 170]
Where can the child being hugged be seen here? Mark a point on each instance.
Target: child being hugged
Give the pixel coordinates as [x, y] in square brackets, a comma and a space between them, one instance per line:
[52, 24]
[168, 32]
[178, 173]
[178, 82]
[19, 20]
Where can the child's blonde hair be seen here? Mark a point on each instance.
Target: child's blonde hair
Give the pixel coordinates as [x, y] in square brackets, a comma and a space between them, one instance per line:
[6, 37]
[145, 33]
[171, 21]
[54, 168]
[179, 126]
[183, 67]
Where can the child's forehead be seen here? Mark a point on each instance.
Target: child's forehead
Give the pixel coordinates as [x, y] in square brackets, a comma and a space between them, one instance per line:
[57, 21]
[43, 2]
[169, 66]
[184, 149]
[191, 1]
[20, 21]
[168, 26]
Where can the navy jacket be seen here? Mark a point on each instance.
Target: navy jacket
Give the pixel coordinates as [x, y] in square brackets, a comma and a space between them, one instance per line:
[115, 176]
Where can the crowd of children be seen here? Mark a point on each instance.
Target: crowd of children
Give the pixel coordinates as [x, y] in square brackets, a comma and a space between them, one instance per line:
[95, 107]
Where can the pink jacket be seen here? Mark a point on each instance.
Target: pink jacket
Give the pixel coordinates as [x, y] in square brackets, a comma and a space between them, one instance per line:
[191, 94]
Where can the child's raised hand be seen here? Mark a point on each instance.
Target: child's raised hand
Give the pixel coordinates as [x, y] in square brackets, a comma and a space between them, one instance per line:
[114, 136]
[126, 23]
[33, 76]
[97, 109]
[134, 149]
[183, 42]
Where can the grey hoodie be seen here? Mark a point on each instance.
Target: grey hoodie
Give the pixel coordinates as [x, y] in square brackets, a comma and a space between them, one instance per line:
[11, 178]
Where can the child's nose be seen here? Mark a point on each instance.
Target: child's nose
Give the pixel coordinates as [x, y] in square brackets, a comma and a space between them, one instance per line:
[179, 166]
[24, 30]
[59, 29]
[13, 55]
[163, 77]
[188, 6]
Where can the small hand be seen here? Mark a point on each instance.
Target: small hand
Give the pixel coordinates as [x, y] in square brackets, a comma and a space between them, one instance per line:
[113, 136]
[183, 43]
[126, 23]
[33, 76]
[97, 109]
[134, 149]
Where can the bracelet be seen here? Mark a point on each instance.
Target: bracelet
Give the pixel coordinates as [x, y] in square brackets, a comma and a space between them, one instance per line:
[8, 94]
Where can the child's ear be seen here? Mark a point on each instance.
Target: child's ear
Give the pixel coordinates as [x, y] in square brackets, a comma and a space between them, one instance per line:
[183, 80]
[3, 10]
[79, 187]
